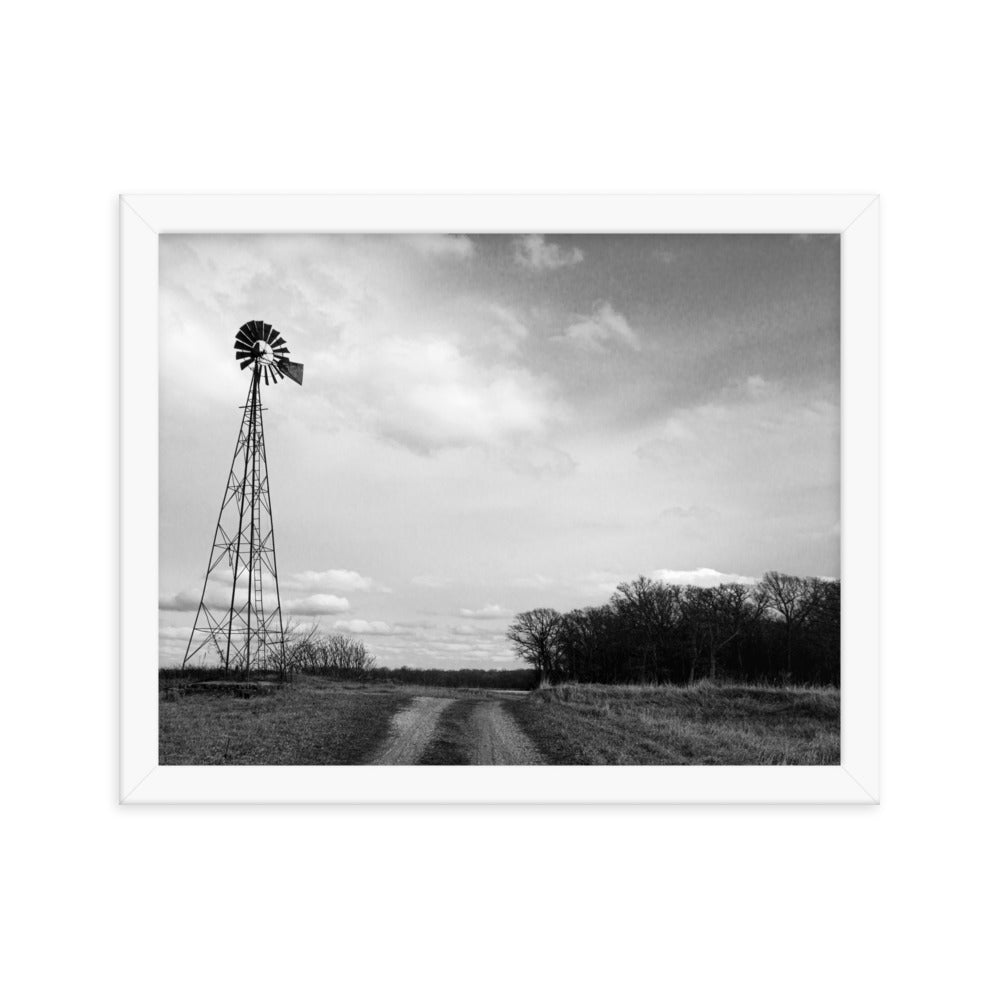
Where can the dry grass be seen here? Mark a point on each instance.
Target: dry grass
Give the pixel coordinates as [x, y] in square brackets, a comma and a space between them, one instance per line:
[319, 721]
[313, 721]
[701, 724]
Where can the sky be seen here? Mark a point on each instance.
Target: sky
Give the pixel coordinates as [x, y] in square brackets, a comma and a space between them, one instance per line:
[493, 423]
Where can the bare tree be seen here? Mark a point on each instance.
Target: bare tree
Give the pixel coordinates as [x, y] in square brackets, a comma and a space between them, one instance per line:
[653, 611]
[724, 614]
[791, 598]
[534, 636]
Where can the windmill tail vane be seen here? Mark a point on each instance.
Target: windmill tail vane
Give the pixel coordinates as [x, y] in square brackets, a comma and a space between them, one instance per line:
[238, 625]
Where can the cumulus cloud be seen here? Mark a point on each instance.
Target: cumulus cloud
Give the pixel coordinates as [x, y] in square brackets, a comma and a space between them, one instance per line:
[441, 245]
[427, 394]
[317, 604]
[538, 254]
[486, 611]
[603, 327]
[333, 579]
[218, 594]
[702, 577]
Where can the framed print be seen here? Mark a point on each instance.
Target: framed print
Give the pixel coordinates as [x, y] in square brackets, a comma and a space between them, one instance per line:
[499, 498]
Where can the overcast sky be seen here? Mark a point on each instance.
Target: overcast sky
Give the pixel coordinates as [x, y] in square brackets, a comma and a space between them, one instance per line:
[494, 423]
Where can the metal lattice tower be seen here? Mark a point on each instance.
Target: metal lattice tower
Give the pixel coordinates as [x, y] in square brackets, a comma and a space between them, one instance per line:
[239, 624]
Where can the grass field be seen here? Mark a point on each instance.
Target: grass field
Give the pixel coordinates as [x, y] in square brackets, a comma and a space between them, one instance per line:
[701, 724]
[320, 721]
[309, 722]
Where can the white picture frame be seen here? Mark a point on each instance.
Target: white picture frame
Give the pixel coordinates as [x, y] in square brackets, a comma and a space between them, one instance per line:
[144, 217]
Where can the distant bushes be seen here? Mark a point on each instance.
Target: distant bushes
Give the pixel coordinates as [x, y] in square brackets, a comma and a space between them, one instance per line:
[784, 630]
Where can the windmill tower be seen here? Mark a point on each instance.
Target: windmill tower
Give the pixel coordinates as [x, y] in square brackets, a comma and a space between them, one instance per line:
[238, 625]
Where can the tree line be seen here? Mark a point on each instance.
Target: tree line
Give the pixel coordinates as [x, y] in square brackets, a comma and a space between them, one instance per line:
[783, 630]
[344, 657]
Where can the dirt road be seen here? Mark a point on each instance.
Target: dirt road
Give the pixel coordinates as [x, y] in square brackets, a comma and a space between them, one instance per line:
[412, 729]
[486, 735]
[497, 739]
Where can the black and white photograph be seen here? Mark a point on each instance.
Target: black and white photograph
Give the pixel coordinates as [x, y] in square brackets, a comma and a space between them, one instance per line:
[500, 499]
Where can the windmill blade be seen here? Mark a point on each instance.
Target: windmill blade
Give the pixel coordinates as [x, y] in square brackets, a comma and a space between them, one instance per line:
[244, 354]
[278, 341]
[293, 371]
[273, 337]
[267, 331]
[249, 361]
[267, 371]
[247, 331]
[258, 326]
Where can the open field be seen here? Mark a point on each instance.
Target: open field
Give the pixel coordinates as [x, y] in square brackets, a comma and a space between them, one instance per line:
[320, 721]
[700, 724]
[308, 722]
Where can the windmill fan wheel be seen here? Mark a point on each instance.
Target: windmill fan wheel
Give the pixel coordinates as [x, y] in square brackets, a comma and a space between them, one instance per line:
[261, 345]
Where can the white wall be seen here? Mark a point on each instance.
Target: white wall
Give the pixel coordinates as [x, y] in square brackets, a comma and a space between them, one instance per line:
[821, 902]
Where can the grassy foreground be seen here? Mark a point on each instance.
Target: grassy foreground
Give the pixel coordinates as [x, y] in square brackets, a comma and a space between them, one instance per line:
[321, 721]
[312, 721]
[701, 724]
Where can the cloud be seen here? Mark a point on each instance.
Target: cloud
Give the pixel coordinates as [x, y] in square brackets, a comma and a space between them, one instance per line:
[358, 626]
[484, 634]
[702, 577]
[535, 253]
[536, 581]
[441, 245]
[317, 604]
[333, 579]
[602, 327]
[487, 611]
[426, 394]
[217, 596]
[508, 332]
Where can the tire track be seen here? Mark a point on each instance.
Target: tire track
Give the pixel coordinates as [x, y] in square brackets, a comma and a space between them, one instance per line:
[498, 739]
[412, 729]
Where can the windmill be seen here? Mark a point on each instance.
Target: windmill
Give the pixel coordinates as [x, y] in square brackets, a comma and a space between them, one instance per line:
[239, 624]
